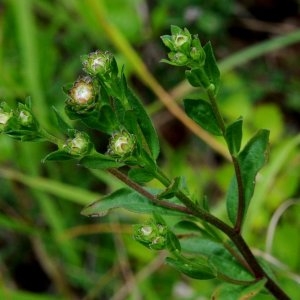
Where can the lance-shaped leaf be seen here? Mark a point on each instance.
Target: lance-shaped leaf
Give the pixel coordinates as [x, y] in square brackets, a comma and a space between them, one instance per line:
[197, 77]
[202, 113]
[229, 291]
[99, 161]
[211, 68]
[191, 268]
[127, 199]
[233, 136]
[58, 155]
[145, 124]
[251, 159]
[62, 124]
[223, 264]
[140, 175]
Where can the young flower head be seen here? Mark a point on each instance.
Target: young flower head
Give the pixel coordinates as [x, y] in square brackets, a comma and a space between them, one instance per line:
[5, 115]
[152, 235]
[121, 144]
[178, 58]
[25, 118]
[179, 41]
[82, 95]
[97, 62]
[79, 145]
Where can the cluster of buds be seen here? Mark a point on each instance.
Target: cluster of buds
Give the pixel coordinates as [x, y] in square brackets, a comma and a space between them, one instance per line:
[97, 62]
[121, 144]
[78, 145]
[19, 123]
[186, 50]
[82, 95]
[153, 235]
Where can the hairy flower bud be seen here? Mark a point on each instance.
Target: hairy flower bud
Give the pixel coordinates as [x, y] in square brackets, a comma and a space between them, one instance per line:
[178, 58]
[121, 144]
[97, 62]
[82, 96]
[79, 145]
[152, 235]
[179, 41]
[25, 118]
[5, 115]
[197, 52]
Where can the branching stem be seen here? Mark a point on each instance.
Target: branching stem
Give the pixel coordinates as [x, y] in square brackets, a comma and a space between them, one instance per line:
[192, 208]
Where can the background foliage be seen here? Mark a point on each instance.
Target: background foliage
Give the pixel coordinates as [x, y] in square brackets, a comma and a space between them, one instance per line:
[47, 249]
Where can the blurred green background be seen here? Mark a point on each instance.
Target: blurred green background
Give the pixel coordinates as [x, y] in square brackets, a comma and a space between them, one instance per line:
[47, 249]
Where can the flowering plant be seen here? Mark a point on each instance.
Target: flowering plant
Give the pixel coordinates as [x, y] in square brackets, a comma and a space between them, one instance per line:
[201, 245]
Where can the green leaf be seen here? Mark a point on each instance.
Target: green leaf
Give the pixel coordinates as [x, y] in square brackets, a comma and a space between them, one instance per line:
[218, 257]
[58, 156]
[140, 175]
[145, 124]
[187, 228]
[251, 159]
[210, 67]
[25, 135]
[202, 113]
[173, 243]
[233, 136]
[127, 199]
[172, 189]
[191, 268]
[232, 292]
[175, 29]
[62, 124]
[99, 161]
[197, 77]
[107, 120]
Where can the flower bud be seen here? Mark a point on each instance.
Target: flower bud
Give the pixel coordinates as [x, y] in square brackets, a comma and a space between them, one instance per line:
[152, 235]
[82, 96]
[121, 144]
[25, 118]
[197, 52]
[178, 58]
[97, 62]
[179, 41]
[79, 145]
[5, 115]
[158, 243]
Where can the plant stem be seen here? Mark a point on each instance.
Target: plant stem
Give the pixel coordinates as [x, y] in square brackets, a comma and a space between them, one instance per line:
[213, 102]
[241, 198]
[236, 165]
[124, 178]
